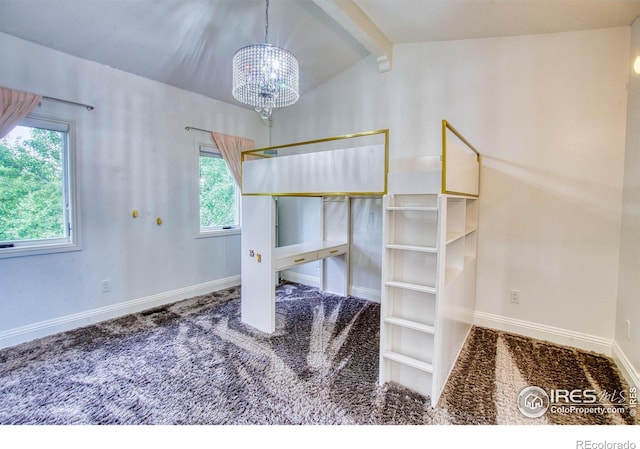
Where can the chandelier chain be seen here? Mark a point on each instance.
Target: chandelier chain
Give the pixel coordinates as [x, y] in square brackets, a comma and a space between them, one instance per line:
[266, 23]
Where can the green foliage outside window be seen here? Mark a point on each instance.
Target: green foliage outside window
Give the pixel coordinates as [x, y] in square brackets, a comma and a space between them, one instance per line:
[217, 193]
[31, 185]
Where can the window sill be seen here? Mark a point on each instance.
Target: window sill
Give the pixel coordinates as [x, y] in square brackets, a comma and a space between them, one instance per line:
[218, 233]
[38, 250]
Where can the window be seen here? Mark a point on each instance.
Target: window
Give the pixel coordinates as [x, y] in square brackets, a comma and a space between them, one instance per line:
[219, 196]
[36, 188]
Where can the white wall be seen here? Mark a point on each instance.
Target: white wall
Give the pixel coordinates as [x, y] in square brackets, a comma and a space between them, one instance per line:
[365, 254]
[628, 304]
[299, 219]
[132, 153]
[294, 227]
[548, 114]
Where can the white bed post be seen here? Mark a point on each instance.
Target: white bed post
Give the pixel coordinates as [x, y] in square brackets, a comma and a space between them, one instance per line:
[335, 227]
[258, 262]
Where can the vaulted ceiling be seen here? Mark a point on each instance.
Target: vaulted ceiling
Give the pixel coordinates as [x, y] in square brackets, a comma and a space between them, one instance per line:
[190, 43]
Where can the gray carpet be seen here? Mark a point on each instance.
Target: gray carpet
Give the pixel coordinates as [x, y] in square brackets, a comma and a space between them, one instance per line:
[194, 362]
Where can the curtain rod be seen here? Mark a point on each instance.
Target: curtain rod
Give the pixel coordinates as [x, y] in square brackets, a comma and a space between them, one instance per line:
[189, 128]
[59, 100]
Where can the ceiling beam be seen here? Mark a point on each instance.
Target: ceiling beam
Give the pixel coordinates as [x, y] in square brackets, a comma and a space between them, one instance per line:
[353, 19]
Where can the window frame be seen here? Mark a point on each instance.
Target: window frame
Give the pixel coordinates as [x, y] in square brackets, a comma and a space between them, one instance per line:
[71, 240]
[211, 150]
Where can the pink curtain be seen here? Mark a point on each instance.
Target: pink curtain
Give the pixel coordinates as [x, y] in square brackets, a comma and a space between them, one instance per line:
[14, 106]
[230, 147]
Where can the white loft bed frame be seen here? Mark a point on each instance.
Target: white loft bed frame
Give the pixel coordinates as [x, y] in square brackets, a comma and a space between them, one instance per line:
[448, 183]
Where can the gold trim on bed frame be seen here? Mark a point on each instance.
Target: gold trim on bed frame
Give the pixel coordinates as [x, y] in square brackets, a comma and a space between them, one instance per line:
[446, 125]
[259, 152]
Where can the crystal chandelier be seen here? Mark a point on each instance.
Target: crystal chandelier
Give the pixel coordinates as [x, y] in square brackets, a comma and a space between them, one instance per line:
[265, 76]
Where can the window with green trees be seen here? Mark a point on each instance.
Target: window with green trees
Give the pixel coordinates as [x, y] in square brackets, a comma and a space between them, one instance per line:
[35, 199]
[219, 196]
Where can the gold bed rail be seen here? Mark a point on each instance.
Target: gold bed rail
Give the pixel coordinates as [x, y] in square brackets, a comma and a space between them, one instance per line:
[448, 126]
[264, 153]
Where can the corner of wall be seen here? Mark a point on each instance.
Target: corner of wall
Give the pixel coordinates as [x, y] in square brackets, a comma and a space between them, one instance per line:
[626, 345]
[625, 366]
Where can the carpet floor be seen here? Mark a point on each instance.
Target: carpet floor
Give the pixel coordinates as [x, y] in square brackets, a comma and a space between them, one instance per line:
[194, 362]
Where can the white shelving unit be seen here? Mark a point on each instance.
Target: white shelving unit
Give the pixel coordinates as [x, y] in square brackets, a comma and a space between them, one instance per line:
[428, 291]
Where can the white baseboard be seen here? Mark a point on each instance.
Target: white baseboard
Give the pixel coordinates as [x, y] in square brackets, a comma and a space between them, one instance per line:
[292, 276]
[40, 329]
[556, 335]
[314, 281]
[365, 293]
[625, 366]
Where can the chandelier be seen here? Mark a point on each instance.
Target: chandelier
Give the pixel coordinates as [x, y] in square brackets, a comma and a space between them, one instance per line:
[265, 76]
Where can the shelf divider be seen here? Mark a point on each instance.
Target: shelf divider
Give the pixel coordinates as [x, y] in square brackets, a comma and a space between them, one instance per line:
[409, 361]
[414, 208]
[410, 286]
[419, 248]
[426, 328]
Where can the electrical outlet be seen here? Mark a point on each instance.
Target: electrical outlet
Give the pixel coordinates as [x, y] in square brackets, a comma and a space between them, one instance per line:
[628, 329]
[106, 285]
[514, 296]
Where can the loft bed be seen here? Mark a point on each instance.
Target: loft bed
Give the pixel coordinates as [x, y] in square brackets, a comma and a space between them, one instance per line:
[428, 246]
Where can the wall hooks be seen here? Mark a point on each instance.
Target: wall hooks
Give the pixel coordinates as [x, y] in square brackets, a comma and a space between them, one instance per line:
[136, 214]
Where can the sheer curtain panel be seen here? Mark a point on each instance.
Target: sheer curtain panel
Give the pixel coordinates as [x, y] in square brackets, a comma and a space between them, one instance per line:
[231, 147]
[15, 105]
